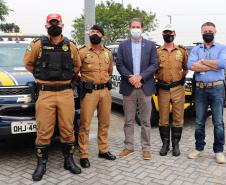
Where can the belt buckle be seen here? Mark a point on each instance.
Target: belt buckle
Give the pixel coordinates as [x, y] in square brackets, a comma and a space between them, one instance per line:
[211, 84]
[42, 87]
[95, 86]
[201, 85]
[216, 83]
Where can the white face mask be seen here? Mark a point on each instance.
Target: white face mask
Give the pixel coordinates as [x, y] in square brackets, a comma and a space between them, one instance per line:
[136, 32]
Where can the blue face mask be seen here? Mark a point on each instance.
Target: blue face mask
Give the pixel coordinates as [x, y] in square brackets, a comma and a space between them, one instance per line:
[136, 32]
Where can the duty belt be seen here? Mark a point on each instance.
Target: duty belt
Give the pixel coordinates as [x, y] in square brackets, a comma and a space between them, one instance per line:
[55, 87]
[99, 86]
[209, 84]
[166, 86]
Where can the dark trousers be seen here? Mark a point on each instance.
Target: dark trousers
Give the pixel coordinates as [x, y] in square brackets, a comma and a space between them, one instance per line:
[213, 97]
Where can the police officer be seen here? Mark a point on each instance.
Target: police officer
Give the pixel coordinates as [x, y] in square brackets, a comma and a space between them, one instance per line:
[171, 76]
[96, 70]
[53, 60]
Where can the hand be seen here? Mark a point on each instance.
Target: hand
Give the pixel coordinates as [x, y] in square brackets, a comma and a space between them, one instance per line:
[201, 61]
[199, 67]
[138, 85]
[135, 79]
[131, 79]
[212, 64]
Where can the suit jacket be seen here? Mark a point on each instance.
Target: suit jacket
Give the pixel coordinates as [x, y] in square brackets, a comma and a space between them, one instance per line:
[149, 65]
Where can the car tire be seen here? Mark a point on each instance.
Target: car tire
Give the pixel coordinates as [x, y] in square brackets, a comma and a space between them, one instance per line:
[154, 115]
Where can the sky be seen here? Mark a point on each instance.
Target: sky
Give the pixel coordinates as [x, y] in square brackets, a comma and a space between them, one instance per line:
[186, 16]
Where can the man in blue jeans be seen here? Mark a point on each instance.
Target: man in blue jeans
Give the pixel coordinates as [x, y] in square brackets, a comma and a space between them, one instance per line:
[208, 60]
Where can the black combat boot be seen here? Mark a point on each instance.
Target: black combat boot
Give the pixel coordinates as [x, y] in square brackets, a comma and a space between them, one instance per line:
[42, 156]
[176, 136]
[69, 164]
[165, 136]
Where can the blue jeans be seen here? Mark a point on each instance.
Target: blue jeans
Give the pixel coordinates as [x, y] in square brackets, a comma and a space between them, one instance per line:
[213, 97]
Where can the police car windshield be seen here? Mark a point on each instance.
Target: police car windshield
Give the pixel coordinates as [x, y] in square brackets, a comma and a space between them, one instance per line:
[12, 54]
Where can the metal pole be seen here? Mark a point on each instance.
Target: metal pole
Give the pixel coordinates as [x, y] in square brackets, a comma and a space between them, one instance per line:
[170, 18]
[90, 17]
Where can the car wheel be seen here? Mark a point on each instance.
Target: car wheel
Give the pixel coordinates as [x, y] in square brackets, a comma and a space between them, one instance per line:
[154, 115]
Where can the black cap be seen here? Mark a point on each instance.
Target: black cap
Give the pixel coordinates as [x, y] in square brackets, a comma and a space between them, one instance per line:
[99, 28]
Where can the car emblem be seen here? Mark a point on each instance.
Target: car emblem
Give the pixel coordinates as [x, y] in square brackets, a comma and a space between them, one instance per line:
[24, 99]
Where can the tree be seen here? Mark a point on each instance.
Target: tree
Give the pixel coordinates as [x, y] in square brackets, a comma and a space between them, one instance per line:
[9, 27]
[114, 18]
[4, 10]
[6, 27]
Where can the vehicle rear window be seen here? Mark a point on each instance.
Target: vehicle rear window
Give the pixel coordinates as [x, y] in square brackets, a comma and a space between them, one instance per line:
[11, 55]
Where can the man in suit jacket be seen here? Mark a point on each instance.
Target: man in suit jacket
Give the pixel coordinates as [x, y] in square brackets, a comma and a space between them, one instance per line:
[137, 63]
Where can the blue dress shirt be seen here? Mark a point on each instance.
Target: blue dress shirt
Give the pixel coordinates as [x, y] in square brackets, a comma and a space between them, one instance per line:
[215, 52]
[136, 54]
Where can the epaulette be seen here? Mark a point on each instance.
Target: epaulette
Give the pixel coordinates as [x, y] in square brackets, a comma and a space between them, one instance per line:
[157, 46]
[181, 46]
[107, 48]
[82, 47]
[35, 40]
[73, 42]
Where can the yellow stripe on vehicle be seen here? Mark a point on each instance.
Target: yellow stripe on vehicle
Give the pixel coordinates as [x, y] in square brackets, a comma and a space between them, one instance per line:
[5, 79]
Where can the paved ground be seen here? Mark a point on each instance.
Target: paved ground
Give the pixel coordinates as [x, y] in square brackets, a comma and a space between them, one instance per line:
[17, 161]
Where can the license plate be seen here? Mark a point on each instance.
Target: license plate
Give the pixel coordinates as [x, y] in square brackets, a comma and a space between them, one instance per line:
[20, 127]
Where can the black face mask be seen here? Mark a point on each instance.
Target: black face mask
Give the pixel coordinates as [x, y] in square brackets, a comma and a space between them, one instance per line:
[168, 38]
[95, 39]
[54, 31]
[208, 37]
